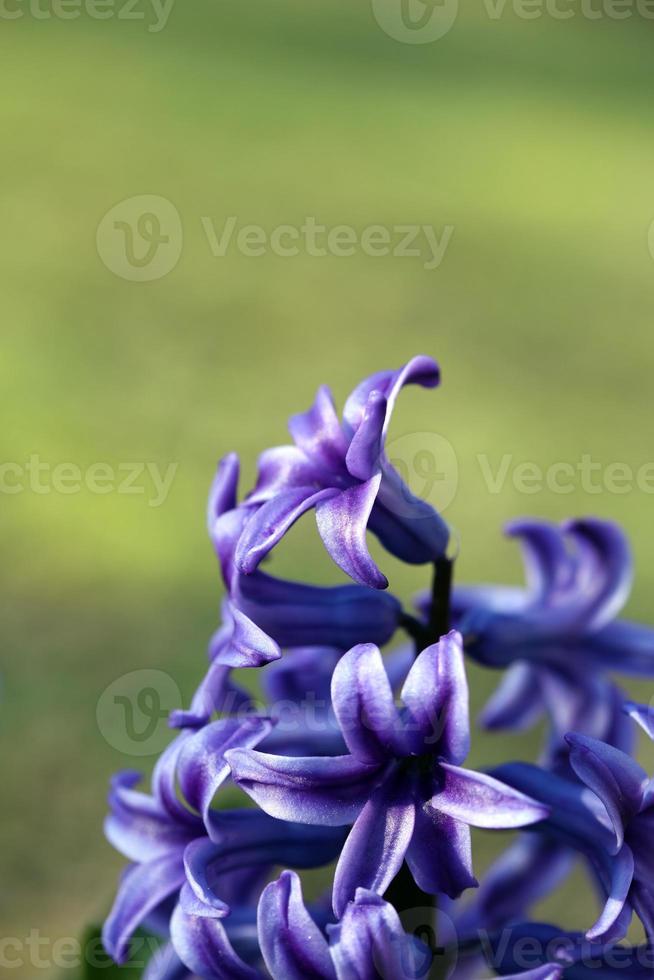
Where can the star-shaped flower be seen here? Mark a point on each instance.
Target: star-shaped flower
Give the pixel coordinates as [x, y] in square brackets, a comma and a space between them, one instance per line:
[340, 469]
[401, 784]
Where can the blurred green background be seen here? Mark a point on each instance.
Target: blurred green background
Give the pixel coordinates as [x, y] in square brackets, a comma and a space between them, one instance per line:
[530, 138]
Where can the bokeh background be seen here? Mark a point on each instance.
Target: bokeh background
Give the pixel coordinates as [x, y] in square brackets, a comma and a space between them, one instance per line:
[530, 138]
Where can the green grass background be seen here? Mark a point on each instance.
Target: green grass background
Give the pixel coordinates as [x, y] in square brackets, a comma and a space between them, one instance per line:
[531, 138]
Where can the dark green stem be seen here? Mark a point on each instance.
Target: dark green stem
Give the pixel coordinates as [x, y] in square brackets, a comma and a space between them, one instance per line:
[439, 613]
[412, 904]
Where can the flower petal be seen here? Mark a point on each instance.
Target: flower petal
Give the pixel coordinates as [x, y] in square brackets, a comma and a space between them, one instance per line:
[612, 775]
[213, 907]
[364, 454]
[546, 559]
[440, 854]
[251, 837]
[624, 646]
[369, 943]
[491, 598]
[317, 790]
[605, 570]
[270, 522]
[282, 468]
[577, 700]
[516, 703]
[304, 674]
[318, 432]
[575, 814]
[364, 706]
[203, 876]
[292, 945]
[525, 873]
[202, 767]
[142, 889]
[225, 534]
[164, 783]
[643, 715]
[298, 615]
[616, 876]
[407, 526]
[482, 801]
[642, 899]
[203, 945]
[165, 964]
[436, 696]
[216, 693]
[420, 370]
[138, 826]
[376, 845]
[222, 494]
[342, 521]
[240, 642]
[244, 840]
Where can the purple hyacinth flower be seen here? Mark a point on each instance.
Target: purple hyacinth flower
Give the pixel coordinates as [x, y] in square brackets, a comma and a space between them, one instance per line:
[611, 827]
[367, 944]
[558, 636]
[263, 613]
[401, 784]
[180, 844]
[339, 468]
[153, 831]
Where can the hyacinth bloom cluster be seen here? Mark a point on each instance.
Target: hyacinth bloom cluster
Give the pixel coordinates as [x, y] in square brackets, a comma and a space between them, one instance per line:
[351, 763]
[558, 639]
